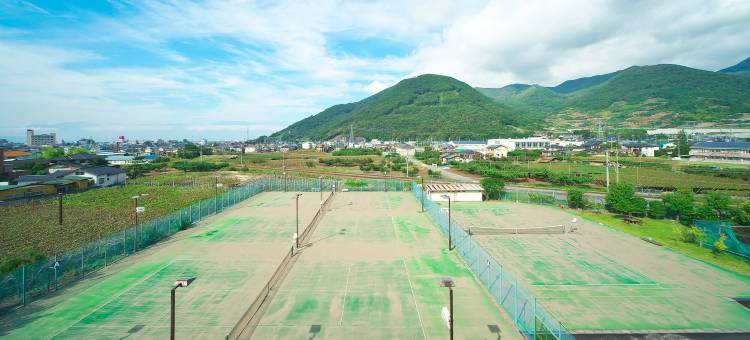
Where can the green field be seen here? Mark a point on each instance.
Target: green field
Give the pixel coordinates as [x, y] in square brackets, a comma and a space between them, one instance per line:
[87, 216]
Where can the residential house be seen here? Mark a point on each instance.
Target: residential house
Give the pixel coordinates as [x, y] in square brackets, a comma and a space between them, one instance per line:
[103, 176]
[639, 149]
[496, 151]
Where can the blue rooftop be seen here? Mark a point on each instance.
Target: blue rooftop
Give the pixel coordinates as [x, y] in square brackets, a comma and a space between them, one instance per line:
[723, 145]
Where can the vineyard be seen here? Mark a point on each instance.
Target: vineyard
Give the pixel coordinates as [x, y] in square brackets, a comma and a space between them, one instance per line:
[652, 175]
[31, 229]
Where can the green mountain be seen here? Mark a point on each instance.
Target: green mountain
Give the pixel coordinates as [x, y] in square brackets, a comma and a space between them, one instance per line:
[640, 96]
[427, 106]
[743, 67]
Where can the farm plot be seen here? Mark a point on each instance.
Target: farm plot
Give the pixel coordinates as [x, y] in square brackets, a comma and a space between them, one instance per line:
[597, 280]
[371, 271]
[232, 255]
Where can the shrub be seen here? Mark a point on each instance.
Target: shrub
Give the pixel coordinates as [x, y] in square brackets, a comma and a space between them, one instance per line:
[576, 199]
[539, 198]
[355, 183]
[492, 187]
[656, 209]
[198, 166]
[719, 245]
[690, 234]
[310, 164]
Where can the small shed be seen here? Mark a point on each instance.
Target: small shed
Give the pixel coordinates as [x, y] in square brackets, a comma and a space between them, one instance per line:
[458, 192]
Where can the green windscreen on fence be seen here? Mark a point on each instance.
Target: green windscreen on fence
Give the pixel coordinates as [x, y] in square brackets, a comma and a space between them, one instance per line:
[736, 244]
[531, 319]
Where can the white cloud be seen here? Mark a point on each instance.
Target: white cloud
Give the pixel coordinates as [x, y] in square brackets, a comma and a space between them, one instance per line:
[277, 66]
[548, 42]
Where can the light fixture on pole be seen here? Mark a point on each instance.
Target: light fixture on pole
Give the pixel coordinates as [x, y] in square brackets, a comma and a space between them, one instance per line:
[450, 243]
[138, 210]
[183, 282]
[422, 190]
[448, 283]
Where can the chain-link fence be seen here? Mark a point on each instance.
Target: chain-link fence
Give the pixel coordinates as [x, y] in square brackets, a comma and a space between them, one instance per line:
[546, 197]
[30, 282]
[531, 319]
[734, 243]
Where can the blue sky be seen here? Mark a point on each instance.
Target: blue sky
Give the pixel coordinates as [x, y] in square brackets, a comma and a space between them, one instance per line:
[224, 69]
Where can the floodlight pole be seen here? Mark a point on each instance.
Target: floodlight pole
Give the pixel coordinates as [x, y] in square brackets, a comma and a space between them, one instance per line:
[171, 319]
[450, 292]
[297, 208]
[422, 178]
[216, 195]
[450, 242]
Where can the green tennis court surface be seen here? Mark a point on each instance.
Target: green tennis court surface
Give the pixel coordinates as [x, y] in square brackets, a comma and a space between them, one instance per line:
[598, 280]
[232, 255]
[372, 272]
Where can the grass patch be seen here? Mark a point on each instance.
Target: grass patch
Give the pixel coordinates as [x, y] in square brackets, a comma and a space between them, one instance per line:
[665, 232]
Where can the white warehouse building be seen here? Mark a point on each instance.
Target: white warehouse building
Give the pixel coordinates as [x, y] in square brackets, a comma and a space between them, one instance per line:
[522, 143]
[457, 192]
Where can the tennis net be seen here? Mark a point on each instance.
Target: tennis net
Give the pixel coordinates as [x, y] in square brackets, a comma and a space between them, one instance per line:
[554, 229]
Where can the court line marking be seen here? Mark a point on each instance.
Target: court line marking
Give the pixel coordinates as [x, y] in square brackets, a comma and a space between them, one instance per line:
[416, 306]
[346, 292]
[113, 298]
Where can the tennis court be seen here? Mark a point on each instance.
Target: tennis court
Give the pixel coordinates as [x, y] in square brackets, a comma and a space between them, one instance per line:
[597, 280]
[232, 255]
[372, 272]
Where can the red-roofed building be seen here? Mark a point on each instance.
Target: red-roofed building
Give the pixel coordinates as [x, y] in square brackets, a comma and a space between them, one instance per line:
[458, 192]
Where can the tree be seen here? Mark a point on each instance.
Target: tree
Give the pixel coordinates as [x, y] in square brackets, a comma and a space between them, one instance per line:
[716, 205]
[619, 197]
[576, 199]
[77, 151]
[681, 204]
[51, 152]
[492, 187]
[189, 151]
[682, 148]
[656, 209]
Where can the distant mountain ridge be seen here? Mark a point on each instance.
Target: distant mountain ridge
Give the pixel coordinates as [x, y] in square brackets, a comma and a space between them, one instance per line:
[741, 67]
[427, 106]
[639, 96]
[441, 107]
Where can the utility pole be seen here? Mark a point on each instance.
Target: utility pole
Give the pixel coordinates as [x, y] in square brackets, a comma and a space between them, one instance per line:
[617, 160]
[297, 208]
[606, 165]
[60, 208]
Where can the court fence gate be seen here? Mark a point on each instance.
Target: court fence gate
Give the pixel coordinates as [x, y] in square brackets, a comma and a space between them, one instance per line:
[531, 319]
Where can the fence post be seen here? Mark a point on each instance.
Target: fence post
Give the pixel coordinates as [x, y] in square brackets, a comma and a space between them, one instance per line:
[533, 314]
[515, 303]
[23, 285]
